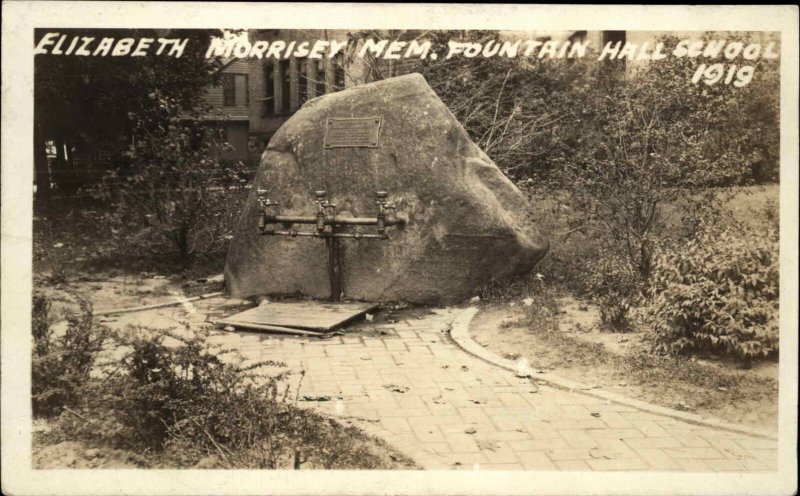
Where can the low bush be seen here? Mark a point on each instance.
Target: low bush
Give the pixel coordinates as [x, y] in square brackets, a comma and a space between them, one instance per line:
[719, 292]
[183, 401]
[614, 286]
[61, 362]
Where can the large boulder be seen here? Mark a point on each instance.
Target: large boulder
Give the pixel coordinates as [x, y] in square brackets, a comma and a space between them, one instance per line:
[466, 221]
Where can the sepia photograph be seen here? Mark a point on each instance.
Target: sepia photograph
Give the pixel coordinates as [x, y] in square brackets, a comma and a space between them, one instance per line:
[519, 251]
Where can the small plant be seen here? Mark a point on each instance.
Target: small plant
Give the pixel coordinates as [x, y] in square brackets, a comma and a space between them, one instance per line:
[62, 363]
[542, 309]
[615, 286]
[719, 292]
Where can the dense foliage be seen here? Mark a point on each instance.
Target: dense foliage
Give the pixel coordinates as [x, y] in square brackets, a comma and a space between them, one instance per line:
[62, 361]
[719, 292]
[82, 104]
[642, 153]
[175, 183]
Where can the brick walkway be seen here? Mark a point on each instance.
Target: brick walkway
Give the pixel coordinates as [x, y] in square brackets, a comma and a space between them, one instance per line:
[419, 391]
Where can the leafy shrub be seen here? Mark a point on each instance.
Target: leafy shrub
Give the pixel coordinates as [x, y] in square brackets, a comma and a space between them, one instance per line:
[615, 286]
[719, 292]
[61, 363]
[185, 400]
[157, 391]
[541, 315]
[176, 183]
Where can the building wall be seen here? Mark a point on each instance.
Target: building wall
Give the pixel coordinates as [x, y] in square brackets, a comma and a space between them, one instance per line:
[232, 117]
[280, 87]
[215, 95]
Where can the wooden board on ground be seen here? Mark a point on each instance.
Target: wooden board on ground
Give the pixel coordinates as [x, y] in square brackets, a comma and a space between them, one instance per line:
[313, 315]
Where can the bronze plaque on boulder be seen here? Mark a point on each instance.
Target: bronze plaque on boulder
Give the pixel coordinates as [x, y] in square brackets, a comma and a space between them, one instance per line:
[349, 132]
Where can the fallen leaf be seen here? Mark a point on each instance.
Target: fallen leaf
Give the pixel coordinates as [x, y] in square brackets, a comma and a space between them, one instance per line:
[487, 445]
[395, 388]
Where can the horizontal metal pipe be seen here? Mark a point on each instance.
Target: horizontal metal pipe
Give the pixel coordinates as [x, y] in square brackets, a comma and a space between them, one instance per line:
[325, 235]
[355, 235]
[291, 233]
[352, 221]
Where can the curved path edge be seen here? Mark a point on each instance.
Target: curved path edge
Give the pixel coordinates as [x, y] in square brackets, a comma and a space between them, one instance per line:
[461, 336]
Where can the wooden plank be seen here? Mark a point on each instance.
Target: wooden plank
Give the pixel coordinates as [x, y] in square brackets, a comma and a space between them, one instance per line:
[313, 315]
[271, 328]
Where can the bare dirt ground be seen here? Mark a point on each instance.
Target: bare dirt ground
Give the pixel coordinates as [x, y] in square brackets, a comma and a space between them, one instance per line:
[621, 362]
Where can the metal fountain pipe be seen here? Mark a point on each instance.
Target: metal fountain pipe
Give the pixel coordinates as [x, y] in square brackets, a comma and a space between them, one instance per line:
[328, 225]
[326, 215]
[334, 220]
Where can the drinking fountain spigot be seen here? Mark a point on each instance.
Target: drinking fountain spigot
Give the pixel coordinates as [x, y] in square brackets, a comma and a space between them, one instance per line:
[326, 212]
[321, 203]
[269, 211]
[380, 225]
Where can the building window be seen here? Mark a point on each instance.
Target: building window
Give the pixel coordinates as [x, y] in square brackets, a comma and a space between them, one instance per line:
[285, 80]
[615, 38]
[302, 82]
[338, 73]
[228, 90]
[235, 90]
[320, 82]
[269, 89]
